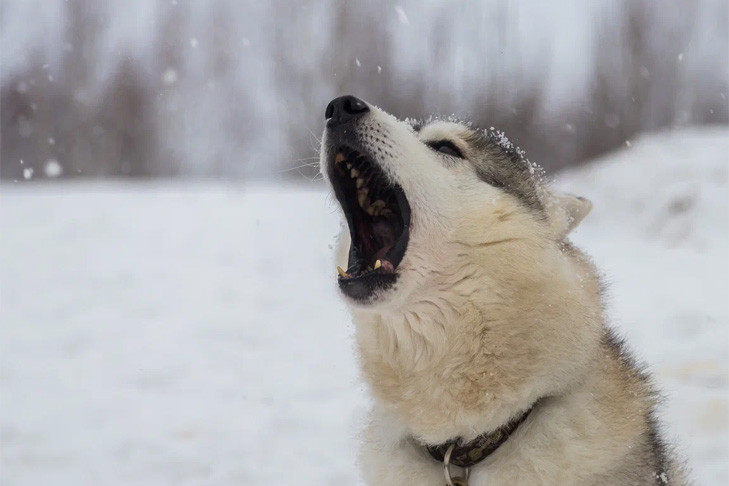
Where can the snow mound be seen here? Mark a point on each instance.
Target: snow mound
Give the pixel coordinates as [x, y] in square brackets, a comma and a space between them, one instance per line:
[190, 333]
[668, 187]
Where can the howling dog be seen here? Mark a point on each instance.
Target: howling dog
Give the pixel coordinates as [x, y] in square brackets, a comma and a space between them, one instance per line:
[480, 329]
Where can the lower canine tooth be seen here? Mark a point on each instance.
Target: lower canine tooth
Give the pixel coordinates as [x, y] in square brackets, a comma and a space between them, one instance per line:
[360, 182]
[354, 172]
[342, 273]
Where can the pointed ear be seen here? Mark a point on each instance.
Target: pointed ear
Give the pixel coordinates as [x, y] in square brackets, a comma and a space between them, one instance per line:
[565, 212]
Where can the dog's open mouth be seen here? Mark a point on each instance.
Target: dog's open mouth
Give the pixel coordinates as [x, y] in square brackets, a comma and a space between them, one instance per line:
[378, 215]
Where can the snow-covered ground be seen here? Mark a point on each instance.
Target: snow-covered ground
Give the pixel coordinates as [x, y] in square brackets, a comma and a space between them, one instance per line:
[191, 333]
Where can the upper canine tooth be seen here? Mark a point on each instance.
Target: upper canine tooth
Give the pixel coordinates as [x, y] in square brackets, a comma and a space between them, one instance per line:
[339, 158]
[378, 264]
[354, 173]
[342, 272]
[349, 166]
[360, 182]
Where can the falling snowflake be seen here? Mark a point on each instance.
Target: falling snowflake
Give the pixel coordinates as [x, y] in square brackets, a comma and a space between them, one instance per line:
[53, 168]
[401, 15]
[169, 77]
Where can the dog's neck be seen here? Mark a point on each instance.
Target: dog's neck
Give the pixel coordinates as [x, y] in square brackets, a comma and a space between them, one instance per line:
[463, 362]
[419, 363]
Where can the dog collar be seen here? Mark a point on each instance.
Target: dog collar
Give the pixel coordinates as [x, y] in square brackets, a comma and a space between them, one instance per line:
[471, 453]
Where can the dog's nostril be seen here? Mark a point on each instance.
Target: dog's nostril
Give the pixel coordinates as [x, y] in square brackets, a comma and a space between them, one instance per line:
[345, 108]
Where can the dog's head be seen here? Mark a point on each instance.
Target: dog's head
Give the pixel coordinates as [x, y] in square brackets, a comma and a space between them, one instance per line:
[417, 196]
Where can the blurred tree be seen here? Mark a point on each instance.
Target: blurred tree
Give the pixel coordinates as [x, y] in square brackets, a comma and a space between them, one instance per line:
[237, 88]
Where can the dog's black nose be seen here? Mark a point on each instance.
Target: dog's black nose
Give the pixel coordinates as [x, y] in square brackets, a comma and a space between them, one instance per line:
[344, 109]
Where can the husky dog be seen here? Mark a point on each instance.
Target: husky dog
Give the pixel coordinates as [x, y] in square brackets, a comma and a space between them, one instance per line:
[480, 328]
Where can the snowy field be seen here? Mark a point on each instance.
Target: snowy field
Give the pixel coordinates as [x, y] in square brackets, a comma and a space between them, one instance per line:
[178, 334]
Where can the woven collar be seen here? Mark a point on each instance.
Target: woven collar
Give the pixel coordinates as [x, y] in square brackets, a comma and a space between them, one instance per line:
[471, 453]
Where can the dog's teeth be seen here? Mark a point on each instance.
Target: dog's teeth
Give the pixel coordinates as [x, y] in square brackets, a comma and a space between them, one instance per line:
[385, 211]
[341, 272]
[376, 207]
[354, 173]
[360, 182]
[387, 266]
[378, 264]
[339, 158]
[362, 198]
[349, 166]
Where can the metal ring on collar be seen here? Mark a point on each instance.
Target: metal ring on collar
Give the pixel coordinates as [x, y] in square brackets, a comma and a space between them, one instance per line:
[450, 480]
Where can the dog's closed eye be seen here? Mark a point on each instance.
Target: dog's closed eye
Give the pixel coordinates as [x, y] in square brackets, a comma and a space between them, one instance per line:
[447, 147]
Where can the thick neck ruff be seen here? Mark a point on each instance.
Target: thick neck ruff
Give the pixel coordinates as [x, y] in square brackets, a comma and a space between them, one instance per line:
[471, 453]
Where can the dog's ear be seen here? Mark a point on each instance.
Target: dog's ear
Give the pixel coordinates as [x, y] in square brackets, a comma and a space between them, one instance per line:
[565, 212]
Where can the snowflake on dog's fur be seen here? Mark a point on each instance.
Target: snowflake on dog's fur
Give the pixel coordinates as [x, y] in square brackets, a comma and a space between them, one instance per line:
[498, 137]
[415, 124]
[503, 142]
[452, 118]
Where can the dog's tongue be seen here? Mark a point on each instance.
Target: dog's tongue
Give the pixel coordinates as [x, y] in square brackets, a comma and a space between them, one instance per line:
[385, 235]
